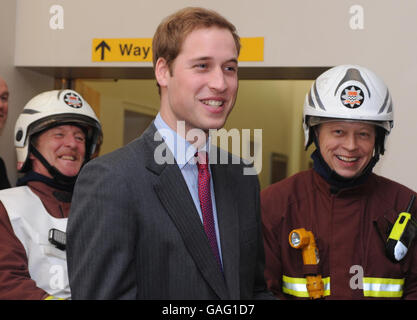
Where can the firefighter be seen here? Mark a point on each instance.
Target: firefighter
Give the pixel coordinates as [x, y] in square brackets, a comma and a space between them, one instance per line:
[348, 114]
[55, 135]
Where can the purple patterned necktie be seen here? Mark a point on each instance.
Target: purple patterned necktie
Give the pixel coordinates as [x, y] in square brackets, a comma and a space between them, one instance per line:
[204, 195]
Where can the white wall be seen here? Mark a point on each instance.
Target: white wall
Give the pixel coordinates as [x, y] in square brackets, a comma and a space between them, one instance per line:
[23, 84]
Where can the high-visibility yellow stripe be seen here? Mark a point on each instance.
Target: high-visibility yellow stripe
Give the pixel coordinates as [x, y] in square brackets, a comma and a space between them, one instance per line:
[53, 298]
[298, 286]
[372, 287]
[295, 286]
[294, 280]
[382, 294]
[383, 280]
[295, 293]
[382, 287]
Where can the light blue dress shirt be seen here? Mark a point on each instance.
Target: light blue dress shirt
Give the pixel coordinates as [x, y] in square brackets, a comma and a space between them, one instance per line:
[184, 153]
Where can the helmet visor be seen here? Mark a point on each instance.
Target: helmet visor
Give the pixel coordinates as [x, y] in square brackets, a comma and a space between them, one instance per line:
[61, 119]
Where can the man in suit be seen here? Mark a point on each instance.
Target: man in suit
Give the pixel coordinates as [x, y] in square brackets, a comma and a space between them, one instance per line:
[148, 221]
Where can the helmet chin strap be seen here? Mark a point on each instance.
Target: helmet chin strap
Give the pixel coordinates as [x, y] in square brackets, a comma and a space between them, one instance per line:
[54, 172]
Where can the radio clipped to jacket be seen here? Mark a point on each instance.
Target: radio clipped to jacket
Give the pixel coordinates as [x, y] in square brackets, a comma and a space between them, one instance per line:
[58, 238]
[402, 234]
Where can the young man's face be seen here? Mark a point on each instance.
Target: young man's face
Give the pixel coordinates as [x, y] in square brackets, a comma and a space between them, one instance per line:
[347, 147]
[63, 147]
[203, 85]
[4, 102]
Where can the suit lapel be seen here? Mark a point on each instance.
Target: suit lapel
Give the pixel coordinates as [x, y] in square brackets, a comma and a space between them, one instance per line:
[228, 221]
[176, 199]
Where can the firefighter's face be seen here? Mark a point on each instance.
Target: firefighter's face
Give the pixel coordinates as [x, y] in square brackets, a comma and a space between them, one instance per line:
[63, 147]
[347, 147]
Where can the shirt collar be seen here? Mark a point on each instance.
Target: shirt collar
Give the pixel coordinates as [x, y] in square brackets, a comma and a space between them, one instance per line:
[182, 150]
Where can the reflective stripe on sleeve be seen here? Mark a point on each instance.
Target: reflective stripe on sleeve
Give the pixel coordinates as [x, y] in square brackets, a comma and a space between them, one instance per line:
[382, 287]
[298, 286]
[53, 298]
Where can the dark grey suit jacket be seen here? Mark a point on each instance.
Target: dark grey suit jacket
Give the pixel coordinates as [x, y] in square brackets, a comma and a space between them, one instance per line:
[134, 232]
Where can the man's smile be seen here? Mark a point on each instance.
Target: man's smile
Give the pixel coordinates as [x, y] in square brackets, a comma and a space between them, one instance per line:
[347, 159]
[213, 103]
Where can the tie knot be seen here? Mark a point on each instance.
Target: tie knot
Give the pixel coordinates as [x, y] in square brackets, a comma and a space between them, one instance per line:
[202, 159]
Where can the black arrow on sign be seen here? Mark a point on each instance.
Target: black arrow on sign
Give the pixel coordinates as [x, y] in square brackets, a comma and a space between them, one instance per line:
[103, 46]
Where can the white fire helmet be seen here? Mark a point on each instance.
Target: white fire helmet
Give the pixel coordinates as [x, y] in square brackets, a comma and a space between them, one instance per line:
[348, 92]
[49, 109]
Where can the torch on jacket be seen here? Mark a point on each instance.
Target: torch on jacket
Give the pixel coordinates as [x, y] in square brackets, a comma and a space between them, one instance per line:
[351, 228]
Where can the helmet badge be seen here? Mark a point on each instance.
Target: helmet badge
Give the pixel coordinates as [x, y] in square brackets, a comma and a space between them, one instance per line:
[351, 97]
[73, 100]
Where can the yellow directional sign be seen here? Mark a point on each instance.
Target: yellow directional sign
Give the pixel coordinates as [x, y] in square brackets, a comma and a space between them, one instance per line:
[124, 50]
[252, 49]
[140, 49]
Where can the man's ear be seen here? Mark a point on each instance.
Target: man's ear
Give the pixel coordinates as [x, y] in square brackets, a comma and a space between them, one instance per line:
[162, 72]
